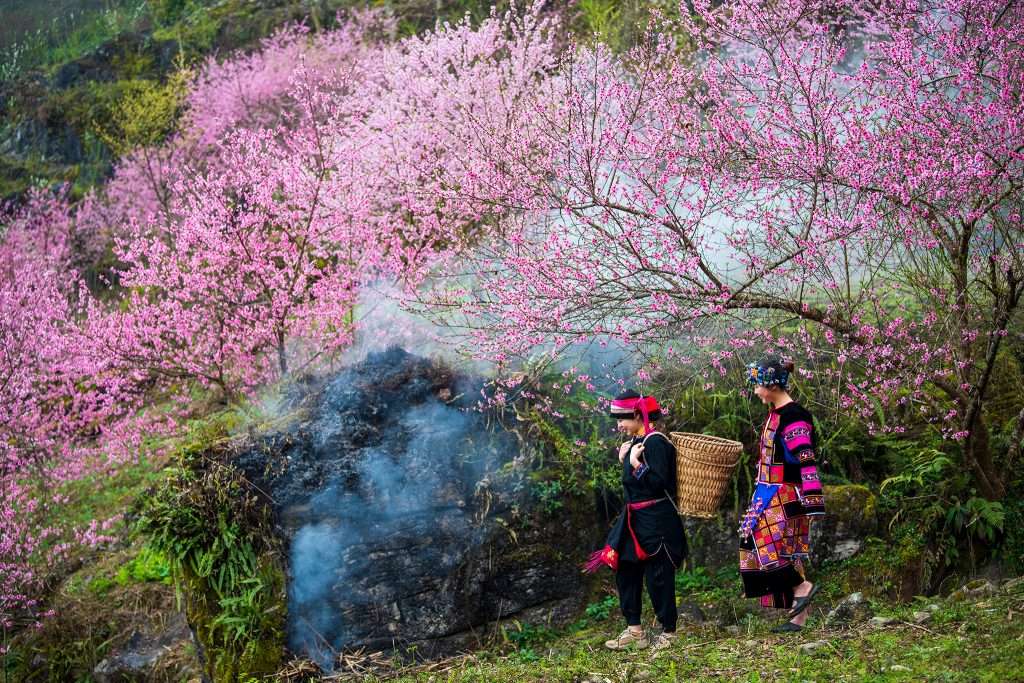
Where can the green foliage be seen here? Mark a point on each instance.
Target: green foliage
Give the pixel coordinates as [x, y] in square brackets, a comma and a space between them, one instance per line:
[194, 25]
[415, 17]
[601, 18]
[1012, 551]
[693, 580]
[143, 115]
[580, 446]
[217, 535]
[64, 36]
[526, 636]
[549, 495]
[619, 24]
[601, 609]
[932, 495]
[927, 467]
[168, 11]
[148, 565]
[976, 517]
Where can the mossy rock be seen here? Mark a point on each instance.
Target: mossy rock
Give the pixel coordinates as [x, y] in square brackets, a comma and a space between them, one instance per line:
[226, 659]
[851, 517]
[892, 569]
[852, 504]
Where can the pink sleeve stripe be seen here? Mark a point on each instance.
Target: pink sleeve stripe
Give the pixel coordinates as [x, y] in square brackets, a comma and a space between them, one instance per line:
[809, 479]
[797, 435]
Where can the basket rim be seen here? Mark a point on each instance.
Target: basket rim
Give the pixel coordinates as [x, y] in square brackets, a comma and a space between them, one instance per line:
[711, 463]
[690, 512]
[717, 440]
[706, 437]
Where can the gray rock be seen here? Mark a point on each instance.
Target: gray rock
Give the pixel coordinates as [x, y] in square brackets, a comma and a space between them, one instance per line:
[852, 609]
[137, 659]
[880, 622]
[1012, 584]
[734, 629]
[973, 590]
[922, 617]
[899, 667]
[980, 588]
[852, 517]
[932, 607]
[713, 543]
[402, 522]
[808, 648]
[691, 612]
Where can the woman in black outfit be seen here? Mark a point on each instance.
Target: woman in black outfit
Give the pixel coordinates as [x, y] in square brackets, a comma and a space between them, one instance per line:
[647, 542]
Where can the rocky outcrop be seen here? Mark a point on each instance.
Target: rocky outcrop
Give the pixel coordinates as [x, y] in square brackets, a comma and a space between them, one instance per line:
[851, 518]
[406, 523]
[151, 657]
[851, 610]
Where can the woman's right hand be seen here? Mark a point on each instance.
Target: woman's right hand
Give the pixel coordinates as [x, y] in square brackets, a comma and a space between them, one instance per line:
[624, 450]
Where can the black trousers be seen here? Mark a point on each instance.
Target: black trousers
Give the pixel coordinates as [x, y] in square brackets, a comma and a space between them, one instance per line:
[660, 575]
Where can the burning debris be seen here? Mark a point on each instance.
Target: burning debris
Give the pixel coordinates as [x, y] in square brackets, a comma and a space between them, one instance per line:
[397, 510]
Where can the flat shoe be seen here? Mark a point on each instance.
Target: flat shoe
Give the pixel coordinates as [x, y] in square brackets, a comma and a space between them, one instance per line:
[628, 640]
[800, 604]
[788, 627]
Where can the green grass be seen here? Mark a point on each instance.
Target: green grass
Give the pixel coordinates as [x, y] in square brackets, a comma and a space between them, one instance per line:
[979, 641]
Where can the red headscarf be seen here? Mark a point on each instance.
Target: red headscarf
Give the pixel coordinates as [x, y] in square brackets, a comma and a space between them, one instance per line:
[627, 405]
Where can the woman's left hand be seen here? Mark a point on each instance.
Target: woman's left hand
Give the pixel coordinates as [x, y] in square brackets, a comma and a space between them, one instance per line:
[636, 455]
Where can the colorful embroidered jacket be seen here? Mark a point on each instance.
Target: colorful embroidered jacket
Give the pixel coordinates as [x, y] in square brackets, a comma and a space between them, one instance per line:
[788, 455]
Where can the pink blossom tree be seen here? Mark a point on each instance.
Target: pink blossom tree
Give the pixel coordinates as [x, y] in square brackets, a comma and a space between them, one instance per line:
[302, 172]
[231, 236]
[853, 169]
[54, 394]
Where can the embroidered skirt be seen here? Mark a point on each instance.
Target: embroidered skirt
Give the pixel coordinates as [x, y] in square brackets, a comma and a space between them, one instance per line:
[773, 543]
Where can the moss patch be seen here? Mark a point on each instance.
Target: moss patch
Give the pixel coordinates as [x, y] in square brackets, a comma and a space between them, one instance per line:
[93, 614]
[854, 505]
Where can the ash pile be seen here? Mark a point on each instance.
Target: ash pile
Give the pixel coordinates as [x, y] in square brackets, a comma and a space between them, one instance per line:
[408, 527]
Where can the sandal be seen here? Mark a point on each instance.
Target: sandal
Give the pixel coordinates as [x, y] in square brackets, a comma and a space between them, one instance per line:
[802, 603]
[788, 627]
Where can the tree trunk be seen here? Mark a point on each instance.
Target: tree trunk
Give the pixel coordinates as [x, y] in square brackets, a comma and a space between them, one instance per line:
[282, 358]
[978, 455]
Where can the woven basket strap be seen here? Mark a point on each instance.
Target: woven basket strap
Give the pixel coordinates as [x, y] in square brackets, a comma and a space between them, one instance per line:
[670, 498]
[652, 434]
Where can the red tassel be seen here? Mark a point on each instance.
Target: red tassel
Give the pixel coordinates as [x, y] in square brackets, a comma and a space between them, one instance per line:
[593, 563]
[606, 557]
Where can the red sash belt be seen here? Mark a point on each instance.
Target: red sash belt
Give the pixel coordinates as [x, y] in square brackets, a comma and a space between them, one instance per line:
[640, 553]
[609, 556]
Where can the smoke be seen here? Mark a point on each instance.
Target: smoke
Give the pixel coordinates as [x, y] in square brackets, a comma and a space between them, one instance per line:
[382, 320]
[399, 514]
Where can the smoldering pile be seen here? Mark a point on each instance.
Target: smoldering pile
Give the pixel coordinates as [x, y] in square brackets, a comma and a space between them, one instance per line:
[394, 500]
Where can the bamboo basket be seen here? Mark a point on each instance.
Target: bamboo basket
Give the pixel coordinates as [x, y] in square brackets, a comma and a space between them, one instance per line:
[704, 466]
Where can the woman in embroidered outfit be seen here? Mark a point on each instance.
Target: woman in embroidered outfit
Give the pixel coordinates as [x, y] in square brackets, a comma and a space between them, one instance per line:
[647, 541]
[774, 531]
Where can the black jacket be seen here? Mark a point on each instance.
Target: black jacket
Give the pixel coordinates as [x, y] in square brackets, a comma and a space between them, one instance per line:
[657, 527]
